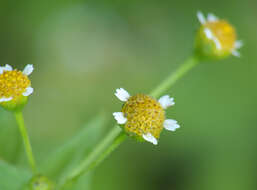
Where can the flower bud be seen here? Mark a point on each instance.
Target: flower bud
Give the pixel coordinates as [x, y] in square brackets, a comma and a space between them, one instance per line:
[216, 39]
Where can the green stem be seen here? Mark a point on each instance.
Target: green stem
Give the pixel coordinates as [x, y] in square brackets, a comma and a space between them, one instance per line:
[26, 141]
[102, 150]
[174, 76]
[116, 136]
[117, 141]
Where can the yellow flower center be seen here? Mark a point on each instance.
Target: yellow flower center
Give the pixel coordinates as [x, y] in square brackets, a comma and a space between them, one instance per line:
[224, 32]
[13, 84]
[144, 115]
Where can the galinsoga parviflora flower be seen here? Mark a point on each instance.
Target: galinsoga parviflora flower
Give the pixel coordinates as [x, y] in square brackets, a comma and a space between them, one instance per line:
[216, 38]
[15, 87]
[143, 117]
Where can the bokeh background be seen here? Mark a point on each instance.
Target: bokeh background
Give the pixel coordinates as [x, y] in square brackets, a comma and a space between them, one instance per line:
[83, 50]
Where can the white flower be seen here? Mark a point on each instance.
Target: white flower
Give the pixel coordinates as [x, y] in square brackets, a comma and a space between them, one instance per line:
[14, 83]
[139, 112]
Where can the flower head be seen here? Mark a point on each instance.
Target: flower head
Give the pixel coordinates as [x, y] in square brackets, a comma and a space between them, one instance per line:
[216, 38]
[15, 87]
[143, 116]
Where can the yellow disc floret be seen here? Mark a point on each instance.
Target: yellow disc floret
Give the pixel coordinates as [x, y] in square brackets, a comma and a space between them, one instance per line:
[224, 32]
[13, 84]
[144, 115]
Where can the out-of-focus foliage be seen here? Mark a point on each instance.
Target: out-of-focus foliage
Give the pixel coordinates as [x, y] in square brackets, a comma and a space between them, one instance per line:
[65, 158]
[11, 177]
[83, 50]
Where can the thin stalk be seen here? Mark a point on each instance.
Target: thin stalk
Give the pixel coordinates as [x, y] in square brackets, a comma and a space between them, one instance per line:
[26, 141]
[119, 139]
[116, 136]
[102, 150]
[174, 76]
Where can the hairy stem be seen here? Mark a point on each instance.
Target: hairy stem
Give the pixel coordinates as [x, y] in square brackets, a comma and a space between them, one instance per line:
[26, 141]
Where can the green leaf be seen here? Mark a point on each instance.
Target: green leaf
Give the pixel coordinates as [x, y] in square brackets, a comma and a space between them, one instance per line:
[61, 161]
[12, 178]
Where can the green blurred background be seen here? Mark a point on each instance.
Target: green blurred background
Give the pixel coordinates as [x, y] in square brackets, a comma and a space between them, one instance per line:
[83, 50]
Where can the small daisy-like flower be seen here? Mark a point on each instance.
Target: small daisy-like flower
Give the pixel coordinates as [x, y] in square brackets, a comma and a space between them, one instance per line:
[143, 116]
[15, 87]
[216, 38]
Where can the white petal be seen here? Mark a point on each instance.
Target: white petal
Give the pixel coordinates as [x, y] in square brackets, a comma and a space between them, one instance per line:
[211, 17]
[5, 99]
[150, 138]
[210, 36]
[238, 44]
[201, 17]
[217, 43]
[171, 124]
[119, 117]
[28, 70]
[122, 94]
[5, 68]
[8, 67]
[208, 33]
[166, 101]
[28, 91]
[1, 70]
[236, 53]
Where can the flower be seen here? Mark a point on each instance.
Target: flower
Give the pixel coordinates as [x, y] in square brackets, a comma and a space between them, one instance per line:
[216, 38]
[15, 87]
[143, 117]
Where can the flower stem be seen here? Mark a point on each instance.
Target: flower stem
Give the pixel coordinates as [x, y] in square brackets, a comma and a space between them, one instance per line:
[174, 76]
[26, 141]
[116, 136]
[102, 150]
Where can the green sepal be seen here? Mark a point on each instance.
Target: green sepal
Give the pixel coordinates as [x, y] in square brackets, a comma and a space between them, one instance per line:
[16, 104]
